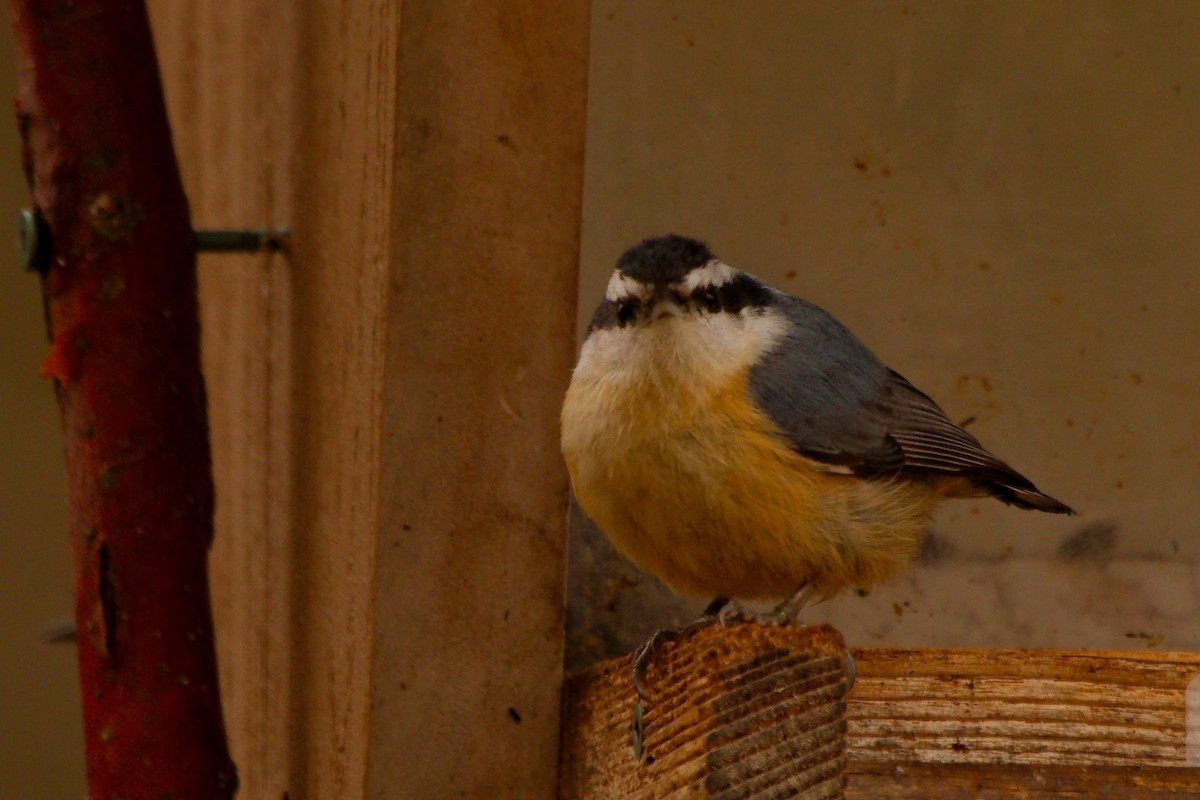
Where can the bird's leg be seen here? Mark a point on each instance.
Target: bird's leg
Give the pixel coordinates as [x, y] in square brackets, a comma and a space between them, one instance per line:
[783, 614]
[786, 612]
[641, 658]
[713, 609]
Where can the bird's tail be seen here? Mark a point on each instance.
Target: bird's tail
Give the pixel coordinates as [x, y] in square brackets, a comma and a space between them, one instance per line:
[1024, 494]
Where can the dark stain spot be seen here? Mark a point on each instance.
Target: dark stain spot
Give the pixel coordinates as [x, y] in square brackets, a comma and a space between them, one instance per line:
[108, 477]
[964, 382]
[108, 599]
[861, 164]
[1092, 542]
[512, 712]
[934, 548]
[507, 141]
[114, 215]
[861, 592]
[959, 747]
[1151, 639]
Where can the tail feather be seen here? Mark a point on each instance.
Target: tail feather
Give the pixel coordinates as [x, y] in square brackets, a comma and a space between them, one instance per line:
[1026, 497]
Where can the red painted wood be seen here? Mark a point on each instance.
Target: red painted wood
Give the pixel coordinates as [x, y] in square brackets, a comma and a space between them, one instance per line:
[122, 308]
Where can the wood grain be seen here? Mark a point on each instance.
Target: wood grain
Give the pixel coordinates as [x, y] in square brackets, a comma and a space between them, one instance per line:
[744, 712]
[469, 583]
[920, 723]
[390, 499]
[233, 97]
[991, 723]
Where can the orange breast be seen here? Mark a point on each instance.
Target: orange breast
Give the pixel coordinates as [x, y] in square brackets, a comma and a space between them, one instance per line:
[708, 496]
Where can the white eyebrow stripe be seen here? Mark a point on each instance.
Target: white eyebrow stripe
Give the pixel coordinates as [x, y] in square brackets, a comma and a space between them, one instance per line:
[621, 286]
[711, 275]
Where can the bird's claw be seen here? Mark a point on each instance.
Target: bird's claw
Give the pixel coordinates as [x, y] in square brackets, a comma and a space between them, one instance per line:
[642, 656]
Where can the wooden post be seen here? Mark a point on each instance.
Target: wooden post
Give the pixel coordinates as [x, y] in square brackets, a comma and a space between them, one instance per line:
[391, 501]
[120, 287]
[470, 567]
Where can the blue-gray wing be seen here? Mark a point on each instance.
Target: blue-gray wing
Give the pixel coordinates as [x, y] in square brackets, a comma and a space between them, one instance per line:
[840, 405]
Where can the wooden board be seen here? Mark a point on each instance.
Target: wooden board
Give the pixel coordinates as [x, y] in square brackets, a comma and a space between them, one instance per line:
[994, 723]
[735, 713]
[919, 723]
[384, 395]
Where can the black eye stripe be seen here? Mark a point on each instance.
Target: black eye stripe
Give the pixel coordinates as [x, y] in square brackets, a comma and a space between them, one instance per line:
[627, 311]
[615, 314]
[732, 297]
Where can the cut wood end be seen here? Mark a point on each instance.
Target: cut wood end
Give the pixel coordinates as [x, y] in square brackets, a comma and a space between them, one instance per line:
[733, 712]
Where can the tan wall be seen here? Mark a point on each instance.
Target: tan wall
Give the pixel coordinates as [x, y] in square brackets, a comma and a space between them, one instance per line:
[1001, 200]
[999, 191]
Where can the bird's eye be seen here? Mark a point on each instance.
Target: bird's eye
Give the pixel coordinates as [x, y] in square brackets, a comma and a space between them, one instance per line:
[626, 312]
[711, 301]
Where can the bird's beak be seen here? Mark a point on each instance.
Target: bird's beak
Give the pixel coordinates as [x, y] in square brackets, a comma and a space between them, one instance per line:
[665, 308]
[665, 305]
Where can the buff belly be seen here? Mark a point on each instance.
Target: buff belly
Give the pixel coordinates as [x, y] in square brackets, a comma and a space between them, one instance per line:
[706, 495]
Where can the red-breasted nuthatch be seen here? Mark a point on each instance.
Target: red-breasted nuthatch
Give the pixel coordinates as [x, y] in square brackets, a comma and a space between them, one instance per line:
[739, 442]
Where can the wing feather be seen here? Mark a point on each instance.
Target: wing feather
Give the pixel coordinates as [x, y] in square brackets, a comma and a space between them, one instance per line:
[839, 405]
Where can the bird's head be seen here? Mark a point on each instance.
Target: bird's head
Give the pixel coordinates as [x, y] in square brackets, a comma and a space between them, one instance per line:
[674, 278]
[672, 308]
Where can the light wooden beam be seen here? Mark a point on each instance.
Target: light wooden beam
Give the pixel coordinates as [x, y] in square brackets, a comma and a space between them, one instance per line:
[742, 712]
[389, 569]
[470, 568]
[921, 723]
[1029, 723]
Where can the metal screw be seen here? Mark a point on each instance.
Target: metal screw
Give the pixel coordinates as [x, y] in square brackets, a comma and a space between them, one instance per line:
[241, 241]
[33, 241]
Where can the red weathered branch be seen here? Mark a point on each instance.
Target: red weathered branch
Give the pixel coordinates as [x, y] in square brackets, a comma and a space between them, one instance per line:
[120, 290]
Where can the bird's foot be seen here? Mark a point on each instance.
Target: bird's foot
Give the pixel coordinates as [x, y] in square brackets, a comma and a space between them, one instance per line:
[785, 613]
[713, 613]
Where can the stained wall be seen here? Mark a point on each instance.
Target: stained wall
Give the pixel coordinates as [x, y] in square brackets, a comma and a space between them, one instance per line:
[1000, 199]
